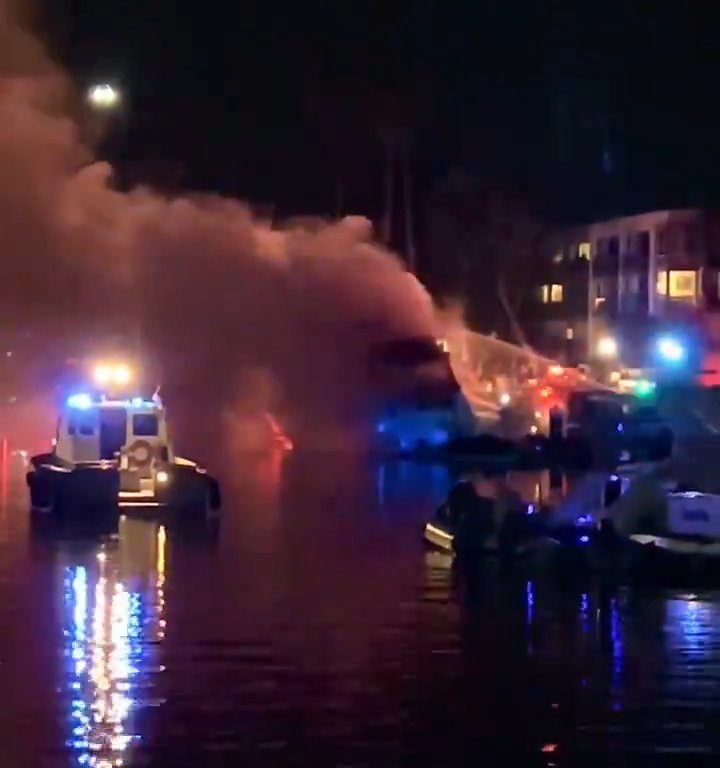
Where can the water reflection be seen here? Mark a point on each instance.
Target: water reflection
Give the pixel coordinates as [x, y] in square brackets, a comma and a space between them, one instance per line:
[690, 621]
[402, 481]
[320, 631]
[114, 620]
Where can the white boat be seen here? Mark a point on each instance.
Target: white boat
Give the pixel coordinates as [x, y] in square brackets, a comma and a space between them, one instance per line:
[662, 512]
[110, 454]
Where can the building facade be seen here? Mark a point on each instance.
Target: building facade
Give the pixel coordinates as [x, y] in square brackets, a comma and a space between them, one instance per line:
[625, 278]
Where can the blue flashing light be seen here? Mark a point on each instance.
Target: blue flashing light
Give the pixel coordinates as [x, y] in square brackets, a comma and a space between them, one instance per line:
[583, 520]
[620, 427]
[82, 401]
[530, 509]
[439, 437]
[584, 539]
[670, 349]
[414, 431]
[138, 402]
[614, 478]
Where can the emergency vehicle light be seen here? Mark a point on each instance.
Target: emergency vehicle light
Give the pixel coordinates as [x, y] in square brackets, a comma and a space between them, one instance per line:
[81, 400]
[105, 375]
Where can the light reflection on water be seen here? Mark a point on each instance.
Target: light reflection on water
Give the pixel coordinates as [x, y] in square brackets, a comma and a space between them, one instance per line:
[107, 630]
[318, 631]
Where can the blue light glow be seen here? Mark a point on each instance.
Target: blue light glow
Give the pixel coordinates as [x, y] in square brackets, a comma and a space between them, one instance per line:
[414, 429]
[529, 600]
[82, 401]
[584, 539]
[620, 427]
[670, 349]
[530, 509]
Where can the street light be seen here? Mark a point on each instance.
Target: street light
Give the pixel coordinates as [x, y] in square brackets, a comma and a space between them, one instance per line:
[103, 96]
[607, 347]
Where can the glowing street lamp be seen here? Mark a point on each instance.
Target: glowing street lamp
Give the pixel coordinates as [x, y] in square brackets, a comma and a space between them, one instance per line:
[607, 347]
[104, 97]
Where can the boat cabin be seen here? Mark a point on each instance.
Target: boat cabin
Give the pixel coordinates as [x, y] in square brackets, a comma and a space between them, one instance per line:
[131, 431]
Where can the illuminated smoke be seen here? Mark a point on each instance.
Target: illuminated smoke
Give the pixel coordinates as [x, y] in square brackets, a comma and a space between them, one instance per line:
[239, 314]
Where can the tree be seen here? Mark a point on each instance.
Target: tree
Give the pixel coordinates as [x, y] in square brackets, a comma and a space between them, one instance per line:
[482, 244]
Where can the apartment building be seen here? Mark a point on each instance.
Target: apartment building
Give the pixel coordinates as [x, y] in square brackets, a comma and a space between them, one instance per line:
[627, 277]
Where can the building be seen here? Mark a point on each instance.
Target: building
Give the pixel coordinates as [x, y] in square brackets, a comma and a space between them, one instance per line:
[626, 278]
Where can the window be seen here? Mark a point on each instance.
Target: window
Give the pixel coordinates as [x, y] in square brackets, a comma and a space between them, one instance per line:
[145, 425]
[551, 293]
[569, 333]
[643, 244]
[682, 284]
[81, 424]
[584, 251]
[662, 283]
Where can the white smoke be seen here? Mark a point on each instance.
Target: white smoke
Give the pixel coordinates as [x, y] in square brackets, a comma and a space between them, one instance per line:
[250, 314]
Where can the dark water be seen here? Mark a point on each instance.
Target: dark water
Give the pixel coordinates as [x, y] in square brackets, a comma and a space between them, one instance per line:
[314, 629]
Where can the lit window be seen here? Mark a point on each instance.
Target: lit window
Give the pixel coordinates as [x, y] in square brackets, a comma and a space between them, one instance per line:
[682, 284]
[662, 283]
[569, 333]
[584, 251]
[544, 293]
[556, 293]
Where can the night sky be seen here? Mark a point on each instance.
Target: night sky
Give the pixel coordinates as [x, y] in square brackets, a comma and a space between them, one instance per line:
[591, 112]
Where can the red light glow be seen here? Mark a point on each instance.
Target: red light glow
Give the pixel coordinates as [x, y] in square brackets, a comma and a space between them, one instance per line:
[279, 435]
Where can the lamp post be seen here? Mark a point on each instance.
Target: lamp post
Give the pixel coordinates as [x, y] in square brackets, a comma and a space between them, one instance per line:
[104, 97]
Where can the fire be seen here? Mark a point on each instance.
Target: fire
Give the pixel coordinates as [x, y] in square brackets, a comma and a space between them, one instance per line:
[279, 435]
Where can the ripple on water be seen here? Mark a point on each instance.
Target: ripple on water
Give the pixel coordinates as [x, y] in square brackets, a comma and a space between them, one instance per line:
[314, 629]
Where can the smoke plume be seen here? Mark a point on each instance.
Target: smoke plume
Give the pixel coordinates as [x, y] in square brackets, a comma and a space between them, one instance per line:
[246, 315]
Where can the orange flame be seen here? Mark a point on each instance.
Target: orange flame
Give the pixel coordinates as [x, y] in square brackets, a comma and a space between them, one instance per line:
[279, 435]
